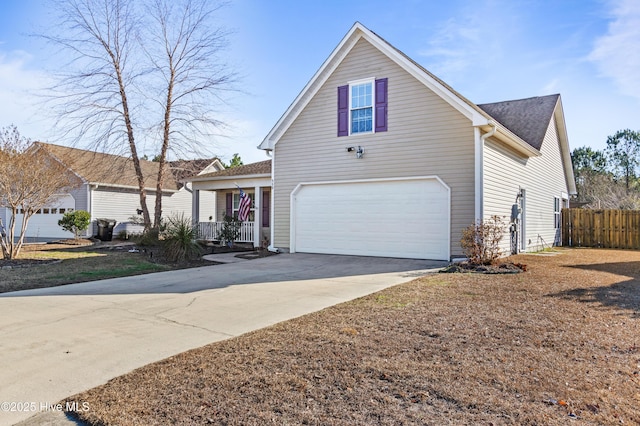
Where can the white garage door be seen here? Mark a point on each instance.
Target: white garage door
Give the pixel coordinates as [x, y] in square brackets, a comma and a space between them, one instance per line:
[406, 218]
[44, 226]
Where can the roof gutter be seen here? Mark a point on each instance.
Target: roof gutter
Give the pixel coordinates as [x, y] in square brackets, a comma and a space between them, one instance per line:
[514, 141]
[115, 185]
[228, 177]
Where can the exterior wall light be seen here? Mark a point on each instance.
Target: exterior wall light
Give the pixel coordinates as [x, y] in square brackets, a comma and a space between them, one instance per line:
[359, 150]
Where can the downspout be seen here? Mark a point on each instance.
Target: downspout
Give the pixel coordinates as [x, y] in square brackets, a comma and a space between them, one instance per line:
[479, 166]
[90, 188]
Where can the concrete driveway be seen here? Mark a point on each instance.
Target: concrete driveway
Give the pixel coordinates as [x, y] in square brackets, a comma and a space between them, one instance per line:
[59, 341]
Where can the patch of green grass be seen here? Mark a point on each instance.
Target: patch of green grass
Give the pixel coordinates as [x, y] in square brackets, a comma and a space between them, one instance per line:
[126, 268]
[77, 266]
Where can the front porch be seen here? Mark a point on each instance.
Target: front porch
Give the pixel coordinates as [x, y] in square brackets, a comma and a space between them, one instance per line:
[211, 231]
[255, 180]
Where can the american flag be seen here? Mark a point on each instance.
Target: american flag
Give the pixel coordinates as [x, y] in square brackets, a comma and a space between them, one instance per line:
[245, 206]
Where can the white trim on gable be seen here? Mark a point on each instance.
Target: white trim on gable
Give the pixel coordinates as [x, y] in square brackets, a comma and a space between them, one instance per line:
[215, 166]
[558, 116]
[357, 32]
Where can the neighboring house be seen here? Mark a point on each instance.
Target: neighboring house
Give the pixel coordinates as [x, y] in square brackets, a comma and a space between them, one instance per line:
[225, 186]
[379, 157]
[109, 190]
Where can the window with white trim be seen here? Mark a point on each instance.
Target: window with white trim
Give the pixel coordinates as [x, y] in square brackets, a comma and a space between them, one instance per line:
[361, 101]
[557, 208]
[362, 107]
[236, 205]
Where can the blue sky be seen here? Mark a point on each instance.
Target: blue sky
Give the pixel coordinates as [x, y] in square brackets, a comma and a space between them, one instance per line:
[489, 51]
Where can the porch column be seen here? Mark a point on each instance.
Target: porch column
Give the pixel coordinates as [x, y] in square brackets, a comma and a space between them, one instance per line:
[257, 214]
[195, 206]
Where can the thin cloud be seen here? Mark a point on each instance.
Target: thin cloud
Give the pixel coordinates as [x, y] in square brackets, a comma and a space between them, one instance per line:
[451, 47]
[615, 52]
[468, 40]
[18, 100]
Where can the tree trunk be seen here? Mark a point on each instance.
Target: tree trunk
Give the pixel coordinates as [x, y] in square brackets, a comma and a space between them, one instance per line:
[132, 145]
[165, 147]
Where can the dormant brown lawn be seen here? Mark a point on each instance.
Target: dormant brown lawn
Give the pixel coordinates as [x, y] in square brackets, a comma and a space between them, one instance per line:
[556, 345]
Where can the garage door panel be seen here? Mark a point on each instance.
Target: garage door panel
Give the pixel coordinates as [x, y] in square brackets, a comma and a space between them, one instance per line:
[397, 218]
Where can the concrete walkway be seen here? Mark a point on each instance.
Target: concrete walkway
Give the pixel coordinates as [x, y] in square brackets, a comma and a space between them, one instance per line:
[59, 341]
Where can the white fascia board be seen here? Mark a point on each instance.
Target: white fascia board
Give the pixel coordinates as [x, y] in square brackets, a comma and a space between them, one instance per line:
[228, 178]
[214, 166]
[311, 88]
[513, 141]
[336, 57]
[451, 98]
[263, 181]
[135, 188]
[558, 116]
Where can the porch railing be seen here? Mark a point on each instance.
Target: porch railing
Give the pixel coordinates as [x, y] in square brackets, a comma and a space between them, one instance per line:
[211, 231]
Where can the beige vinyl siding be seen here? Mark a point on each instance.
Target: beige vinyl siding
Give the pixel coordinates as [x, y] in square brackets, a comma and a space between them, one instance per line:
[425, 137]
[221, 203]
[542, 178]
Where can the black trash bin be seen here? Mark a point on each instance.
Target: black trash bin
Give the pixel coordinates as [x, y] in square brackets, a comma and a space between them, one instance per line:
[105, 229]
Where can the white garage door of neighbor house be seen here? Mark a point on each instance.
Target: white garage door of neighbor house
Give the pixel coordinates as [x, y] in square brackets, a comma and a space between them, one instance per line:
[44, 224]
[406, 218]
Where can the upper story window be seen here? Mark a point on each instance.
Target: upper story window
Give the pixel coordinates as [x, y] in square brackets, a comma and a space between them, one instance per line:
[362, 107]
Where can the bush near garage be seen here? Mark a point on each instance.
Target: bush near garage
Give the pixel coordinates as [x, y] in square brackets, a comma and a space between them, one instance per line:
[76, 221]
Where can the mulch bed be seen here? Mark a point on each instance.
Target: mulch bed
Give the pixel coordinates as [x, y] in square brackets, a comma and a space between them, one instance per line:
[555, 345]
[498, 268]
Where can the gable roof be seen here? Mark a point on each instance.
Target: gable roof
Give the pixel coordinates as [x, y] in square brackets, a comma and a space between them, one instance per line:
[478, 117]
[183, 169]
[117, 171]
[528, 118]
[252, 169]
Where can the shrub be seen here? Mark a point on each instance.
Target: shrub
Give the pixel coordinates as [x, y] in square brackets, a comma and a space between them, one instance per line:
[230, 230]
[179, 239]
[481, 240]
[76, 221]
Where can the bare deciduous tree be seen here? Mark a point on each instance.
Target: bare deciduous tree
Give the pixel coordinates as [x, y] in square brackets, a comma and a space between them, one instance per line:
[92, 93]
[30, 179]
[137, 66]
[183, 49]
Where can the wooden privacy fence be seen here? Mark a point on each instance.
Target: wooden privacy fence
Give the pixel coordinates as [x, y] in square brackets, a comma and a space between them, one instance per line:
[601, 228]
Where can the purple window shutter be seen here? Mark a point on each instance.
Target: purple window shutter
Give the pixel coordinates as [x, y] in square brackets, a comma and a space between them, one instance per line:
[229, 204]
[381, 105]
[266, 208]
[343, 111]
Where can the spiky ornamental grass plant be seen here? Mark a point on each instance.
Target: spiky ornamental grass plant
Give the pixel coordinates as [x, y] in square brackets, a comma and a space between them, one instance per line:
[180, 239]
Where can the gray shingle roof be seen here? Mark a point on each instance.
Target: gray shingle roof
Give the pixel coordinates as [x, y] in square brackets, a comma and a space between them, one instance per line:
[109, 169]
[261, 167]
[527, 118]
